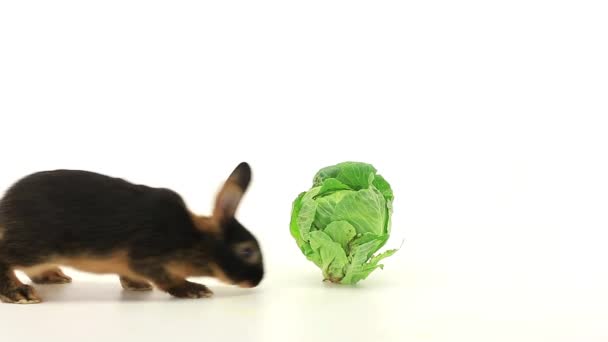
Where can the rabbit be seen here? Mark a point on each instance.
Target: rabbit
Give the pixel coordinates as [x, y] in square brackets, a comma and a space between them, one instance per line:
[103, 225]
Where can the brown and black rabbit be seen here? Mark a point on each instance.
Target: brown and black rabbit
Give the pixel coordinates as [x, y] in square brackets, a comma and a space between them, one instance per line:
[146, 236]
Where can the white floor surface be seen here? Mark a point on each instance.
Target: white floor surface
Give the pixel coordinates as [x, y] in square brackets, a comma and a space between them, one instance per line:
[403, 305]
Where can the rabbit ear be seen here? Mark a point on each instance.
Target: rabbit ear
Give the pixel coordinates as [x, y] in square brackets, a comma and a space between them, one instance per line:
[229, 197]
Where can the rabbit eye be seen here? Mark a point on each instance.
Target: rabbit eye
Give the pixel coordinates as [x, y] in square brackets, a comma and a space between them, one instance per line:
[247, 252]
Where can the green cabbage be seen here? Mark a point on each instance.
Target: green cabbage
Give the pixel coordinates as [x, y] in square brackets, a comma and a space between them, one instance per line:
[343, 220]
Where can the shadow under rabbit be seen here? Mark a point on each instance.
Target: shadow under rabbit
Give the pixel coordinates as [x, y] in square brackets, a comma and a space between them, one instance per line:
[91, 291]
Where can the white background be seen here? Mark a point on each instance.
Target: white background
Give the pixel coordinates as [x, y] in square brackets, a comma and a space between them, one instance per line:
[487, 118]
